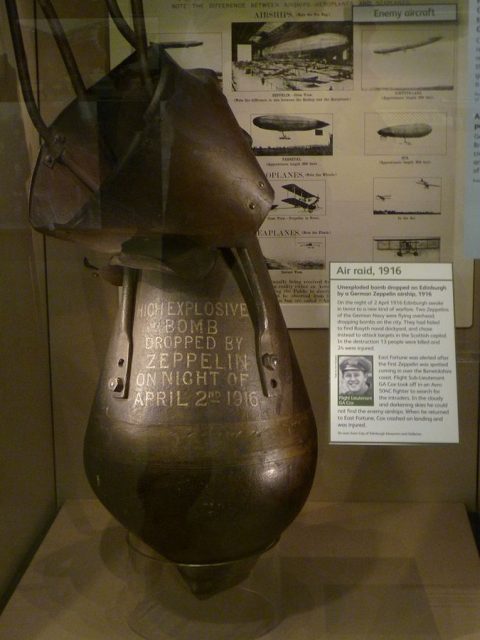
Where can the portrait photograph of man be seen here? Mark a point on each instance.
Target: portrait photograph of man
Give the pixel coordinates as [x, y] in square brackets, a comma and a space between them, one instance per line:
[355, 380]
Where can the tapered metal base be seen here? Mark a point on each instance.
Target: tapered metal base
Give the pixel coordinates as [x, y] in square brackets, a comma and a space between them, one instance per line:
[203, 580]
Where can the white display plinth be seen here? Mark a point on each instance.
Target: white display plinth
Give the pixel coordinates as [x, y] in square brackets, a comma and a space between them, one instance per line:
[347, 572]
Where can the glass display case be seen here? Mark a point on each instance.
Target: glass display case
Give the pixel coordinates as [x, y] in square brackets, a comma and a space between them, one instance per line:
[195, 163]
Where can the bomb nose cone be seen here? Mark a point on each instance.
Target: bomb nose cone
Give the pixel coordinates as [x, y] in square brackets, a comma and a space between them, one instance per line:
[203, 580]
[206, 580]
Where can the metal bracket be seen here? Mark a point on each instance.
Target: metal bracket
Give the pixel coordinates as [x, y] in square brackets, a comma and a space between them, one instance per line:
[118, 382]
[267, 358]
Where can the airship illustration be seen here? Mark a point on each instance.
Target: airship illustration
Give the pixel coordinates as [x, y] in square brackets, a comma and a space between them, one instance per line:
[182, 44]
[306, 46]
[413, 130]
[406, 47]
[285, 123]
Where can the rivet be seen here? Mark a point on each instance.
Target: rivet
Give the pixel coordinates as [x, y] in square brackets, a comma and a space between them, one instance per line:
[270, 361]
[115, 384]
[252, 205]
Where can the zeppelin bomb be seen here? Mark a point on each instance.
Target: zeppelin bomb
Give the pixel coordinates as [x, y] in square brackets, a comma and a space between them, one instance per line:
[201, 439]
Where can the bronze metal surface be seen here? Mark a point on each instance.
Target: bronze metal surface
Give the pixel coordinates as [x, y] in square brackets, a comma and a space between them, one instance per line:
[201, 439]
[136, 164]
[197, 460]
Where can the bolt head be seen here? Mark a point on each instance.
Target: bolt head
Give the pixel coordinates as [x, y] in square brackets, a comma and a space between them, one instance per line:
[270, 361]
[115, 384]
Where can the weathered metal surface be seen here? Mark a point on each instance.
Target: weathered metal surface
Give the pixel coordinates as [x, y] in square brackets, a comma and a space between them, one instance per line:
[201, 440]
[137, 164]
[197, 460]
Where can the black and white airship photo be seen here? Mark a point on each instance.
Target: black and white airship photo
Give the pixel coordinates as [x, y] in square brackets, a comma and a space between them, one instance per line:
[406, 131]
[408, 56]
[407, 196]
[392, 133]
[292, 56]
[193, 50]
[276, 134]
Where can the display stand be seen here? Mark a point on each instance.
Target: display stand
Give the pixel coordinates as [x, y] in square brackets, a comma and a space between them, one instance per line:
[161, 606]
[405, 571]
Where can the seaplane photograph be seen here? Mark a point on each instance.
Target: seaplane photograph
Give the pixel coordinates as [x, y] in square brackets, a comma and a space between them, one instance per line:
[292, 134]
[293, 253]
[408, 57]
[419, 133]
[292, 56]
[407, 196]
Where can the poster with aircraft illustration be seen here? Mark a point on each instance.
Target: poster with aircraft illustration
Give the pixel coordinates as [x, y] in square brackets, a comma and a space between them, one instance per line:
[355, 115]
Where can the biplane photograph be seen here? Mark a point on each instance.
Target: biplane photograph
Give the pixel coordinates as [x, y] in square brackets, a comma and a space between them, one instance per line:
[412, 249]
[307, 197]
[408, 57]
[414, 196]
[428, 185]
[292, 56]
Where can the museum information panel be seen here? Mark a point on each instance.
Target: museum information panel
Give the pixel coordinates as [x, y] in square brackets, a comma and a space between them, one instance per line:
[392, 354]
[356, 115]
